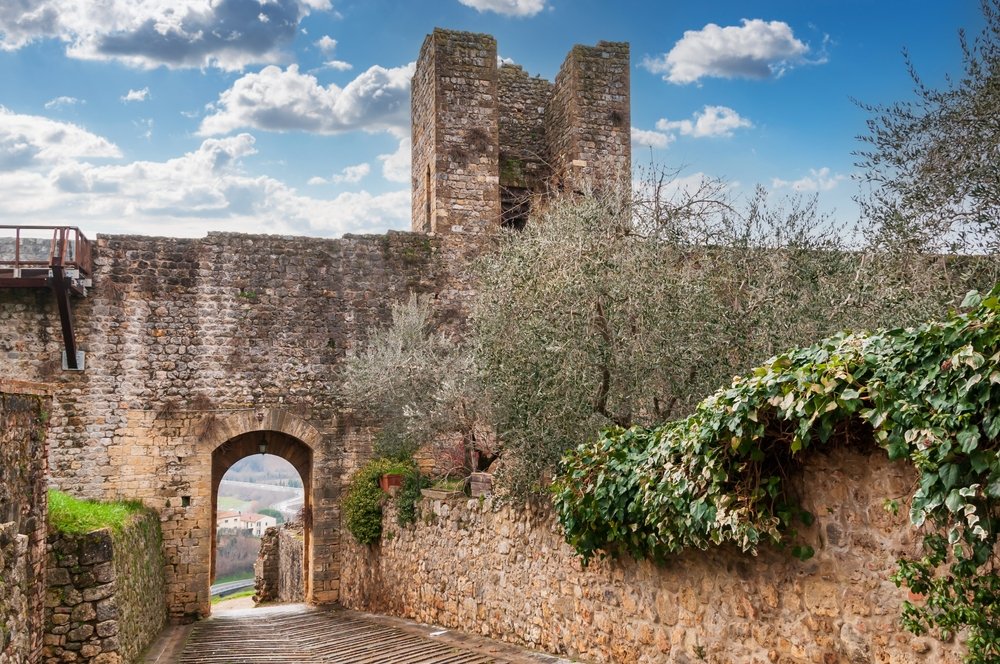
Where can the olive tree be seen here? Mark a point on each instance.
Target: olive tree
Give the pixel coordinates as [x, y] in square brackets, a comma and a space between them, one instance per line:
[419, 384]
[628, 305]
[931, 164]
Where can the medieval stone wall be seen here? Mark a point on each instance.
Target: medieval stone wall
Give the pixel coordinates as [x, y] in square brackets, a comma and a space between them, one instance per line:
[278, 568]
[505, 572]
[106, 599]
[522, 101]
[587, 123]
[23, 416]
[191, 342]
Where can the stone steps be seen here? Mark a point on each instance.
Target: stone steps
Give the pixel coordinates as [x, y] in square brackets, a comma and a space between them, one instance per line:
[301, 634]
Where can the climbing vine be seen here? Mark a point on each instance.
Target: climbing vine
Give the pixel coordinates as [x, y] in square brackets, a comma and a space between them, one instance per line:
[929, 394]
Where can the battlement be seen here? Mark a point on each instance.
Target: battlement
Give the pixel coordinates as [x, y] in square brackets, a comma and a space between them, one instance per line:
[488, 139]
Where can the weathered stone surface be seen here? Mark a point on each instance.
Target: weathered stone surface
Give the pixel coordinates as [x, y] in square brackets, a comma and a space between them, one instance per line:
[507, 573]
[24, 411]
[278, 568]
[193, 344]
[116, 603]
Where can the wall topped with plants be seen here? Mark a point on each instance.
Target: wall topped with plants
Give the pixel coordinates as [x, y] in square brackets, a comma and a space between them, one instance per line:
[929, 395]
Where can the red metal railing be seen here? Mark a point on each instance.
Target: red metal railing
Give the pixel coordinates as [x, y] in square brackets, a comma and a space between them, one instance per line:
[67, 247]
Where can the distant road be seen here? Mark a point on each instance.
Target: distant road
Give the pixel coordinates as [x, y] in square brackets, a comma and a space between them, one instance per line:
[290, 507]
[266, 487]
[230, 587]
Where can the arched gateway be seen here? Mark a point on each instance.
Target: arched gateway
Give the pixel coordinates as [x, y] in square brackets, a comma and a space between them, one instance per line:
[272, 431]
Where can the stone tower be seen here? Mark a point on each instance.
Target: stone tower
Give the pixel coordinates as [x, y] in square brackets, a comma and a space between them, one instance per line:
[455, 134]
[488, 139]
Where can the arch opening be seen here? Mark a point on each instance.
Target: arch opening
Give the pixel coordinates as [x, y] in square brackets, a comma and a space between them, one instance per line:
[269, 443]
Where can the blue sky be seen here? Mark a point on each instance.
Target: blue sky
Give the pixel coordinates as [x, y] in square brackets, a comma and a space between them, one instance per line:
[176, 117]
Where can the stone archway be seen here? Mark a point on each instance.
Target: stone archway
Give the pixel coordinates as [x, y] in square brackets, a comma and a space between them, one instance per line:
[243, 434]
[279, 444]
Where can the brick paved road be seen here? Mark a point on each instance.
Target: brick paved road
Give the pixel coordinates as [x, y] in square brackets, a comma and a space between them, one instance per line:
[296, 633]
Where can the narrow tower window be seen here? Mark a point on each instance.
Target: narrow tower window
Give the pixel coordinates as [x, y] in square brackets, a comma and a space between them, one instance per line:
[427, 201]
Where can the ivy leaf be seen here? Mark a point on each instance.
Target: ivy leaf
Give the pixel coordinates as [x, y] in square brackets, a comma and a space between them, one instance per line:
[949, 475]
[968, 439]
[954, 501]
[972, 299]
[898, 449]
[979, 461]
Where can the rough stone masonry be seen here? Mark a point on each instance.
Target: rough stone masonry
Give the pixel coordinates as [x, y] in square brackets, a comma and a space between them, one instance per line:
[198, 351]
[24, 411]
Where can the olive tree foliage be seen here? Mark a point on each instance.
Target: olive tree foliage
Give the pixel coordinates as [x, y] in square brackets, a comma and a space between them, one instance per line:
[419, 384]
[931, 165]
[631, 304]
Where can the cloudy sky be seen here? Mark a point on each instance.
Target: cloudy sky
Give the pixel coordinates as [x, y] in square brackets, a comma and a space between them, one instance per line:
[175, 117]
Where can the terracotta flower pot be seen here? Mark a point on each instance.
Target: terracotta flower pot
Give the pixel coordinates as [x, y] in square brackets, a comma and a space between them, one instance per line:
[390, 482]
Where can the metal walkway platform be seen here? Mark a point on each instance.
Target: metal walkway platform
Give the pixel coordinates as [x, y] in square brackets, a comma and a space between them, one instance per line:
[302, 634]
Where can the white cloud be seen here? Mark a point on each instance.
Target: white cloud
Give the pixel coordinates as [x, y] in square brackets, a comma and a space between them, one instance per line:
[818, 180]
[136, 95]
[228, 34]
[206, 187]
[286, 100]
[326, 43]
[757, 49]
[396, 165]
[507, 7]
[501, 61]
[338, 65]
[60, 102]
[316, 180]
[145, 126]
[713, 121]
[653, 139]
[28, 141]
[352, 174]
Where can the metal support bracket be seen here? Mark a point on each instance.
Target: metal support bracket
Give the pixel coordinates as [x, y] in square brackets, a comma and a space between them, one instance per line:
[61, 283]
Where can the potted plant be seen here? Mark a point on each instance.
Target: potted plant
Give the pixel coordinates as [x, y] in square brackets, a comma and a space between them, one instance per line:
[391, 482]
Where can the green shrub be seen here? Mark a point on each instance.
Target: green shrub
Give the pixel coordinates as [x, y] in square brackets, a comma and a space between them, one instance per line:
[77, 517]
[362, 504]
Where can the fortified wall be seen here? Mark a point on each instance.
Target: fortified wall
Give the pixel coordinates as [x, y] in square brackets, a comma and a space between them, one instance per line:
[200, 352]
[506, 572]
[24, 411]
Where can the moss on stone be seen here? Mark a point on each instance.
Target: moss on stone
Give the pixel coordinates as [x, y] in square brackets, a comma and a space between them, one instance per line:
[76, 517]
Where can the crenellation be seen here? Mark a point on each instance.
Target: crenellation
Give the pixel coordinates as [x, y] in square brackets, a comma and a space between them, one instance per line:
[488, 140]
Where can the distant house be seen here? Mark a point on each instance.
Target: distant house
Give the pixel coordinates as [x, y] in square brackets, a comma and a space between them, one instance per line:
[255, 523]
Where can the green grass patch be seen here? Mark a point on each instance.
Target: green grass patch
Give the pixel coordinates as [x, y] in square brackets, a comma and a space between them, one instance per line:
[243, 593]
[236, 576]
[450, 484]
[227, 503]
[77, 517]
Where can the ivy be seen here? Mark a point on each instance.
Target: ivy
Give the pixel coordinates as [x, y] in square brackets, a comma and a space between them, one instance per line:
[928, 394]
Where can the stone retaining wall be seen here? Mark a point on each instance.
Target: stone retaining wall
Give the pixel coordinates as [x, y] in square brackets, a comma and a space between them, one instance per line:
[106, 599]
[506, 573]
[23, 420]
[278, 569]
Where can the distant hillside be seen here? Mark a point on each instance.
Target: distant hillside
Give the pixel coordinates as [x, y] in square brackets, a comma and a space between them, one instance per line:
[264, 469]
